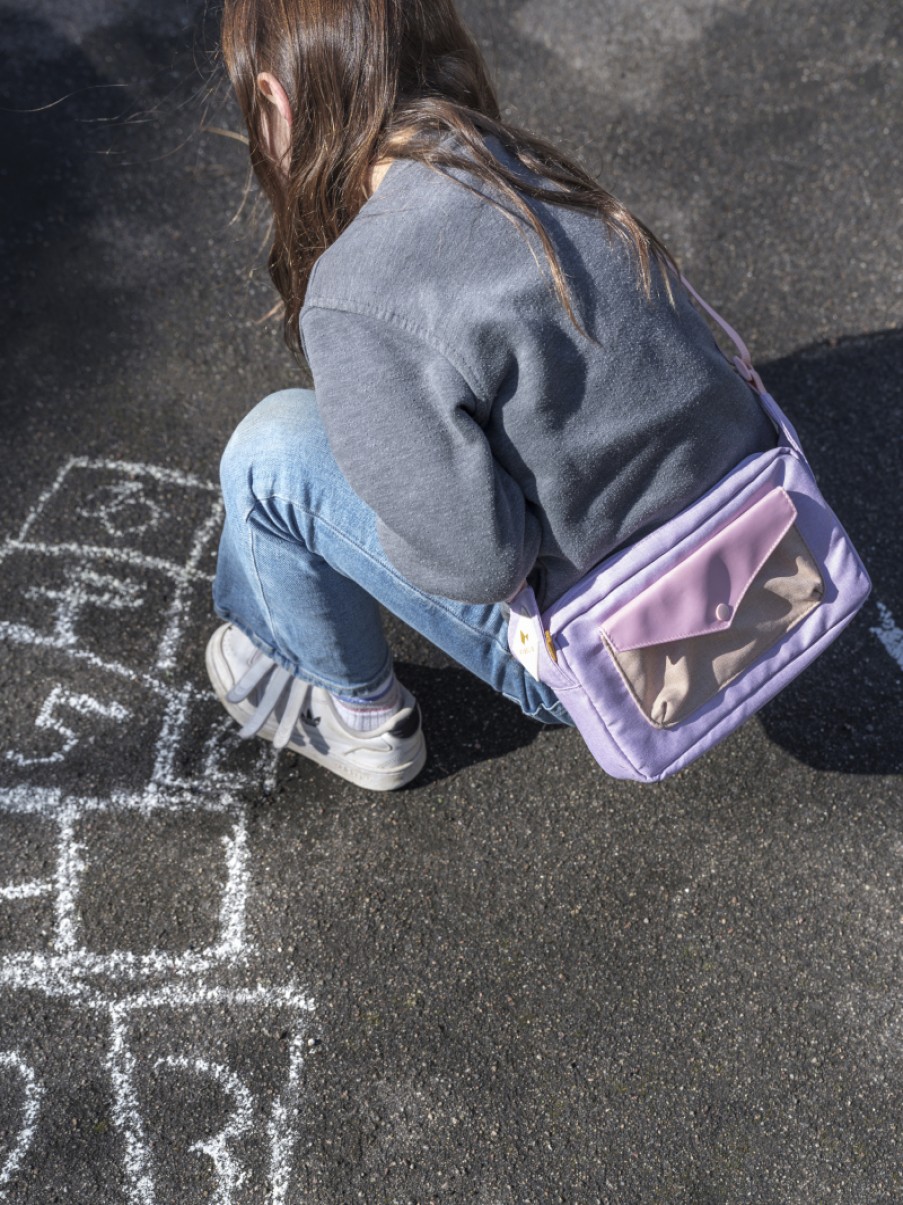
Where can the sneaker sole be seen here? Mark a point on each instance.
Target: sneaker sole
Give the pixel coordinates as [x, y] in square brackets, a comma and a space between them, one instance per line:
[372, 780]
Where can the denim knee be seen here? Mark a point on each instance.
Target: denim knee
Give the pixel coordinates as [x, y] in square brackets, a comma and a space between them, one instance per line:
[273, 439]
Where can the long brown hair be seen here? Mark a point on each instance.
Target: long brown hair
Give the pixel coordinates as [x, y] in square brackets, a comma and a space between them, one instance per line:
[381, 79]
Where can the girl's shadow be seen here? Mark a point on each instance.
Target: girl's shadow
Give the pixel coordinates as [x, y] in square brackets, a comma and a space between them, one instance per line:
[465, 721]
[845, 399]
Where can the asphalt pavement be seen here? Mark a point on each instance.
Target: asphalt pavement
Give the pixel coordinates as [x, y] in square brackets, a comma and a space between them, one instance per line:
[232, 978]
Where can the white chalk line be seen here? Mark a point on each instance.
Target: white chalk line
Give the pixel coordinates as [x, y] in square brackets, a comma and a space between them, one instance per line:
[270, 768]
[223, 740]
[121, 594]
[70, 865]
[226, 1169]
[125, 556]
[82, 590]
[164, 476]
[175, 720]
[233, 908]
[31, 1106]
[118, 595]
[126, 1114]
[176, 996]
[18, 633]
[28, 801]
[280, 1130]
[70, 976]
[172, 633]
[48, 802]
[889, 634]
[26, 891]
[181, 575]
[68, 962]
[157, 472]
[213, 778]
[61, 969]
[176, 717]
[43, 498]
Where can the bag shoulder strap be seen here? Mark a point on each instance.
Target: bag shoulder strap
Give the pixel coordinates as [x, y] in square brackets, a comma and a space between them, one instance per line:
[743, 364]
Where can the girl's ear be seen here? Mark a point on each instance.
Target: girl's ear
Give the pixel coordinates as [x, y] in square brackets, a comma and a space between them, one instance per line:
[274, 92]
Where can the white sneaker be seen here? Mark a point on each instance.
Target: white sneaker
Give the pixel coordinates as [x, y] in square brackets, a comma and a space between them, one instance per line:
[271, 703]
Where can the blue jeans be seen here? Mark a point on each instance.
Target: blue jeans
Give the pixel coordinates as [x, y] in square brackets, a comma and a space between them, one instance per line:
[301, 570]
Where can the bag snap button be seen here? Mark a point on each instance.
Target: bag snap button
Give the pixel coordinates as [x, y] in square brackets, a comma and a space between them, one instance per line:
[723, 612]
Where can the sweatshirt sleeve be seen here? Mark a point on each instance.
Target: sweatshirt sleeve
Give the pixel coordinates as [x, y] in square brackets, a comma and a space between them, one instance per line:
[403, 425]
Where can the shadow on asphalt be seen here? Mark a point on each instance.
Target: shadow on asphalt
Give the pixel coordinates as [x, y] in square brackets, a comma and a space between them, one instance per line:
[844, 712]
[466, 722]
[46, 157]
[68, 129]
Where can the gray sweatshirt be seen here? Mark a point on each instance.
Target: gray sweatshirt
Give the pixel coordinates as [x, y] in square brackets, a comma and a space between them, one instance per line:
[490, 437]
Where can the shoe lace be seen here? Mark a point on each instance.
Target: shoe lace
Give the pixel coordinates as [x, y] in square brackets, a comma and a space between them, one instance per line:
[262, 672]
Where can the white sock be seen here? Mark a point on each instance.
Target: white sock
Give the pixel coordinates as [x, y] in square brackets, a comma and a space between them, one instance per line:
[365, 714]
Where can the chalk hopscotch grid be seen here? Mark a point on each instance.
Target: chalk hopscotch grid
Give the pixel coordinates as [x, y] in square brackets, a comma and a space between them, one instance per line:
[166, 789]
[68, 969]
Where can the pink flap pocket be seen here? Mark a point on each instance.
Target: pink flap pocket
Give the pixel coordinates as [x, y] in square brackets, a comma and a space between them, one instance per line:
[689, 634]
[703, 593]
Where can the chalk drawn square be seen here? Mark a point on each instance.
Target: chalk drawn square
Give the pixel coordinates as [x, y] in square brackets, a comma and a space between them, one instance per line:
[92, 609]
[76, 726]
[207, 1092]
[130, 509]
[152, 882]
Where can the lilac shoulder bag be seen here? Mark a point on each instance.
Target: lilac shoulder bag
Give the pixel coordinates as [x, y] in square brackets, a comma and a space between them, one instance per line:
[666, 647]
